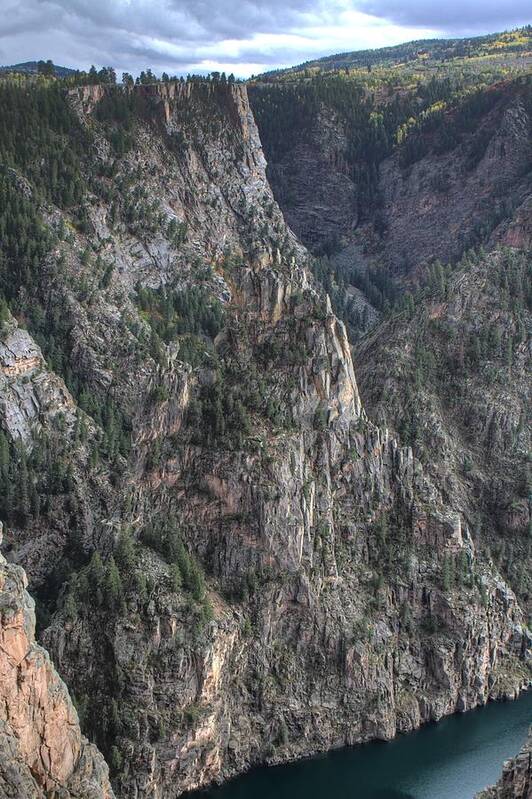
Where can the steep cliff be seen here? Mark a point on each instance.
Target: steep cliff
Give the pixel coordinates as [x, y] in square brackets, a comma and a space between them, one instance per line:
[516, 779]
[451, 376]
[407, 175]
[257, 571]
[42, 751]
[471, 173]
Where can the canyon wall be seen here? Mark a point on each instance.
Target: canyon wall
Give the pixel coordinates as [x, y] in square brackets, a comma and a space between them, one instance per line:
[238, 565]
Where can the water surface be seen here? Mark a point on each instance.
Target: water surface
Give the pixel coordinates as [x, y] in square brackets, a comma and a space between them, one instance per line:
[450, 760]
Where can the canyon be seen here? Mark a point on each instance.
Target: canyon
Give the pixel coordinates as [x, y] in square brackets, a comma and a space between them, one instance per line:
[250, 538]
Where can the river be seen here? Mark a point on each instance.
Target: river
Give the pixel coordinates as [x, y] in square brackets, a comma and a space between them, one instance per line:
[450, 760]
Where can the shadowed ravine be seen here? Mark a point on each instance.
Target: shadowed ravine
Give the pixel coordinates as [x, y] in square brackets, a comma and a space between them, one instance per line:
[450, 760]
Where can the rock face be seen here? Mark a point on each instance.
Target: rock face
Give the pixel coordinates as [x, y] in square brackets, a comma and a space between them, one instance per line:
[444, 204]
[37, 407]
[436, 204]
[42, 751]
[451, 377]
[314, 186]
[26, 391]
[516, 779]
[247, 569]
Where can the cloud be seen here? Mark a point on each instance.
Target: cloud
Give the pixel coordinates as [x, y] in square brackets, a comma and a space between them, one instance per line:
[242, 36]
[453, 16]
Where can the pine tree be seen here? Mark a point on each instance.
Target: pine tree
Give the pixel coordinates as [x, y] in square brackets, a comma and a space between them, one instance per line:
[4, 311]
[116, 759]
[509, 352]
[35, 501]
[176, 580]
[4, 456]
[463, 567]
[96, 576]
[113, 588]
[114, 719]
[125, 551]
[70, 607]
[141, 587]
[196, 581]
[447, 573]
[23, 488]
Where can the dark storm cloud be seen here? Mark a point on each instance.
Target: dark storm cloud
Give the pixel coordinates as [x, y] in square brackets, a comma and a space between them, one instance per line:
[176, 20]
[236, 18]
[453, 15]
[169, 34]
[126, 31]
[247, 35]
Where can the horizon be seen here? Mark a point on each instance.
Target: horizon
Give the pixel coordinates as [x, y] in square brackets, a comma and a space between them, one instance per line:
[180, 38]
[275, 69]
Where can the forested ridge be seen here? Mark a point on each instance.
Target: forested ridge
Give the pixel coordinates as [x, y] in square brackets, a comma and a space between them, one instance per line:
[422, 53]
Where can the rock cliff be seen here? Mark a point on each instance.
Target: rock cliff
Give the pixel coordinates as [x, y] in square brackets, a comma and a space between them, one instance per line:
[516, 779]
[439, 193]
[42, 751]
[443, 204]
[451, 376]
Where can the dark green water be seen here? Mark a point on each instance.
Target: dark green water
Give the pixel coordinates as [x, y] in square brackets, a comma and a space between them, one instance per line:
[450, 760]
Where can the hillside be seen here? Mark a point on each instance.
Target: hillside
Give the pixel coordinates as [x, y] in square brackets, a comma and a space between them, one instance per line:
[336, 149]
[33, 67]
[423, 53]
[450, 375]
[380, 180]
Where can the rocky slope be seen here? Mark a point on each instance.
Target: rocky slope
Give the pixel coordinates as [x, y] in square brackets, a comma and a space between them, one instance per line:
[234, 564]
[516, 779]
[451, 376]
[447, 202]
[444, 177]
[42, 751]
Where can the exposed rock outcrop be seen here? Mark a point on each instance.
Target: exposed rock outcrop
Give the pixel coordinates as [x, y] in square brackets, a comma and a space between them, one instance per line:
[444, 204]
[26, 392]
[436, 204]
[516, 779]
[43, 754]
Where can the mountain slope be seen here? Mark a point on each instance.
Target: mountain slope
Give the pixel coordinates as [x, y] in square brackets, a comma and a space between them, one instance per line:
[402, 175]
[32, 67]
[422, 51]
[380, 182]
[451, 375]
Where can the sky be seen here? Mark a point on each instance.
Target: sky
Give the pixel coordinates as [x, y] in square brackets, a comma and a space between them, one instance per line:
[240, 36]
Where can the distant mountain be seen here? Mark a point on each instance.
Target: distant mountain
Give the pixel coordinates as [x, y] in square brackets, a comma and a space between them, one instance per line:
[33, 66]
[511, 42]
